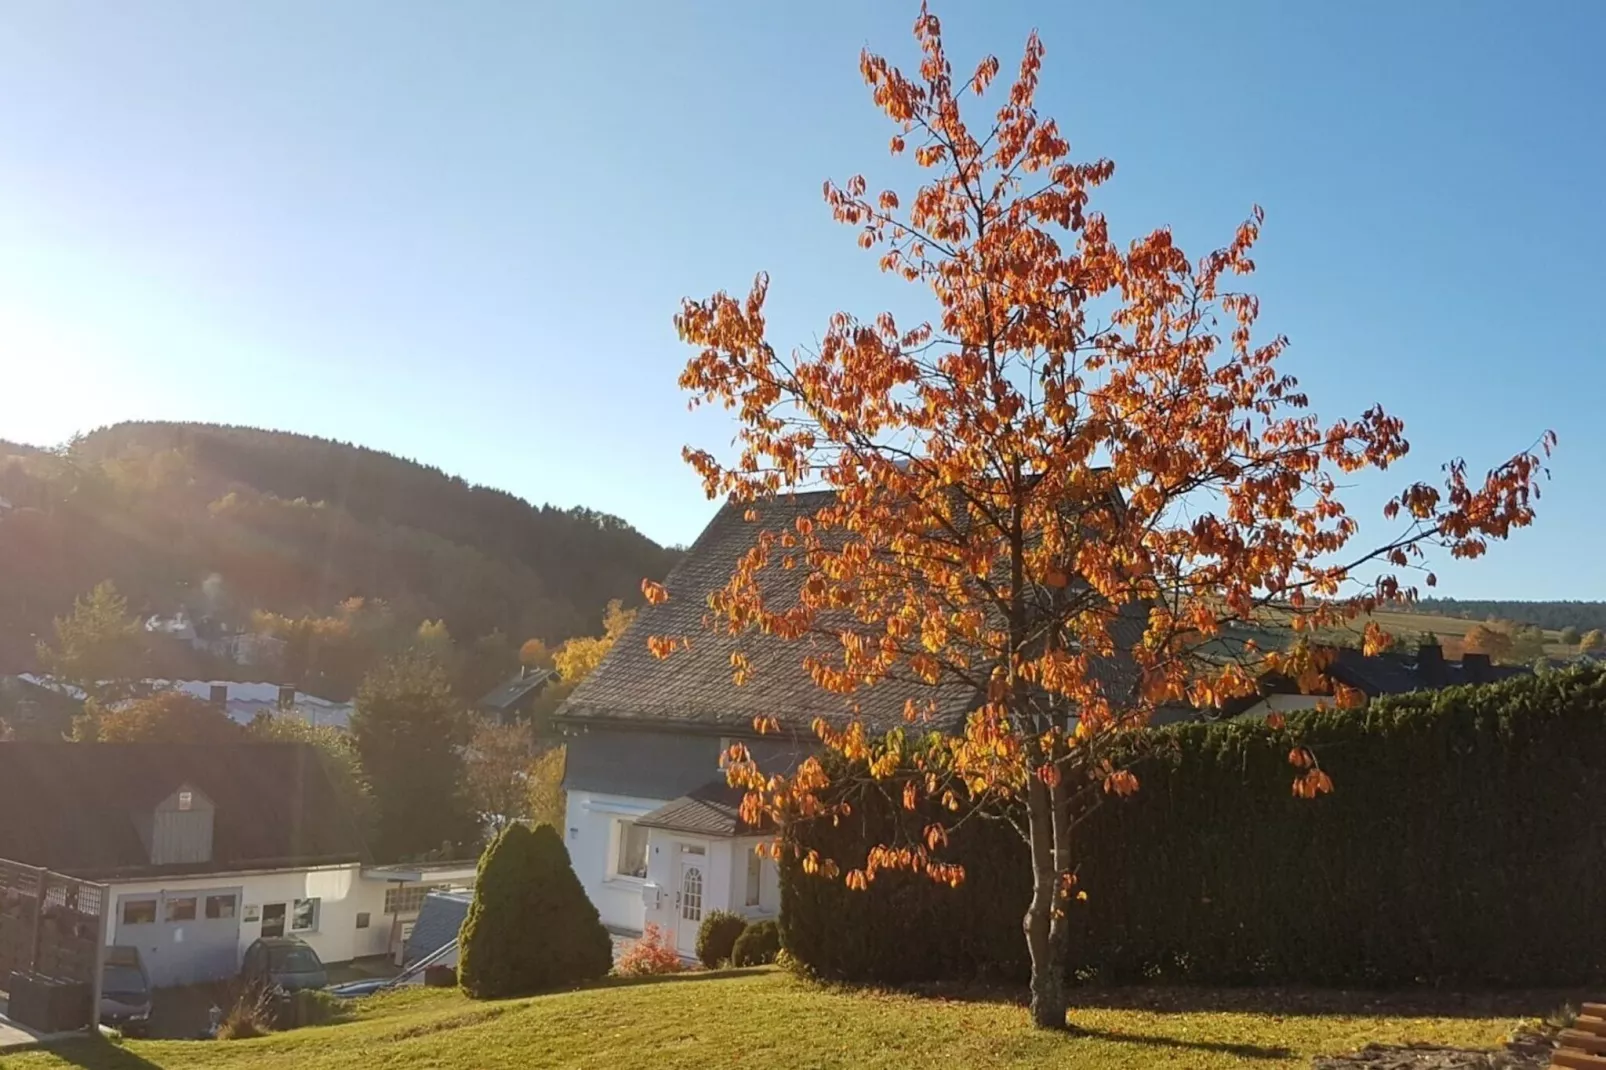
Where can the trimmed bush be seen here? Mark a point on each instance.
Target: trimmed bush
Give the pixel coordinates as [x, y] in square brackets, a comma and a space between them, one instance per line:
[1462, 844]
[717, 936]
[530, 927]
[758, 945]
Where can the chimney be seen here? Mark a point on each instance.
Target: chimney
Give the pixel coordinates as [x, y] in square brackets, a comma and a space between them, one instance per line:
[287, 697]
[220, 695]
[1430, 663]
[1474, 668]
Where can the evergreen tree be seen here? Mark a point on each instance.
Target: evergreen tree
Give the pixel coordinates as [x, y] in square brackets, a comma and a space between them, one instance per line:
[409, 731]
[531, 927]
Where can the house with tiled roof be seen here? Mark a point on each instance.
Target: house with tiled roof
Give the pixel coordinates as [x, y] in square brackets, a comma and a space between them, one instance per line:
[653, 831]
[205, 848]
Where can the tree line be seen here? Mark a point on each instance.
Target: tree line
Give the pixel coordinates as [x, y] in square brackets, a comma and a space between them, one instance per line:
[1554, 616]
[246, 528]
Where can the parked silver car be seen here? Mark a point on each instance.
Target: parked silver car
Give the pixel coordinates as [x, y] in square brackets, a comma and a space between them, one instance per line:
[125, 991]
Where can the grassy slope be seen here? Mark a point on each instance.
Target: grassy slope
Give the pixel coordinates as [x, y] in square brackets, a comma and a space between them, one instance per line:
[758, 1018]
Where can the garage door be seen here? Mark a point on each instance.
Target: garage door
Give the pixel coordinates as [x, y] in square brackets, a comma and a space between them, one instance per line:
[183, 937]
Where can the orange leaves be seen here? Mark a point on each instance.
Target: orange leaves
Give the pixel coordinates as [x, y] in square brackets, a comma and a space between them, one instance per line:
[936, 836]
[911, 796]
[1276, 721]
[1374, 639]
[661, 646]
[655, 593]
[1313, 783]
[1121, 782]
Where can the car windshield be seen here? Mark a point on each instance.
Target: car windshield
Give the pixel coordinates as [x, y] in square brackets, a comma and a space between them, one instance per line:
[293, 960]
[123, 981]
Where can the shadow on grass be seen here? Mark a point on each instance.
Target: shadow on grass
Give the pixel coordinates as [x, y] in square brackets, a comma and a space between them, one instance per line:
[1242, 1051]
[99, 1053]
[1283, 1002]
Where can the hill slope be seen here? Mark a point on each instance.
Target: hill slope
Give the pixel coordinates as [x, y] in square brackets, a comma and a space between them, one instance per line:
[764, 1018]
[230, 520]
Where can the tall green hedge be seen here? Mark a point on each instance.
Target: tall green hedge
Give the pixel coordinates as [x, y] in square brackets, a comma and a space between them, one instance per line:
[1465, 843]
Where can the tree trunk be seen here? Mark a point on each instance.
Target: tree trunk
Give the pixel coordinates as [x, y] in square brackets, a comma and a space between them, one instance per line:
[1045, 930]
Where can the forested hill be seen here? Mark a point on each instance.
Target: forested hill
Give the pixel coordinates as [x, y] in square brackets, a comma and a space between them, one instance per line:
[1556, 615]
[231, 520]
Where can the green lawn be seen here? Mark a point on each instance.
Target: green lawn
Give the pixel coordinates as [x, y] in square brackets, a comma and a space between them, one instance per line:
[765, 1018]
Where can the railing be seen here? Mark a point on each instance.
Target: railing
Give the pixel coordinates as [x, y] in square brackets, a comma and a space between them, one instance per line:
[52, 925]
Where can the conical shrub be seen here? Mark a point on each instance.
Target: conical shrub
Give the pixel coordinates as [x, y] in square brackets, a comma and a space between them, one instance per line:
[530, 927]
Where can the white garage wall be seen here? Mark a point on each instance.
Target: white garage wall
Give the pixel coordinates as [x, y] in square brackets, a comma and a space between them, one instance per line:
[341, 891]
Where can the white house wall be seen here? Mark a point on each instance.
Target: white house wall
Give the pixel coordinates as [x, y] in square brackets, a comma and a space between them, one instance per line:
[589, 823]
[769, 881]
[343, 893]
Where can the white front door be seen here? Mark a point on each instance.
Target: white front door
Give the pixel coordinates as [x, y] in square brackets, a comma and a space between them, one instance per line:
[689, 903]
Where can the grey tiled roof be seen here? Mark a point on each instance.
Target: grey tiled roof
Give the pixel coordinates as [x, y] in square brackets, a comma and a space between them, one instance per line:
[711, 810]
[511, 692]
[693, 686]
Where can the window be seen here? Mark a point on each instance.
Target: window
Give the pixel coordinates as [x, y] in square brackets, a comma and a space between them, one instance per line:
[272, 919]
[139, 911]
[305, 915]
[362, 920]
[408, 899]
[631, 859]
[186, 799]
[754, 872]
[219, 906]
[181, 909]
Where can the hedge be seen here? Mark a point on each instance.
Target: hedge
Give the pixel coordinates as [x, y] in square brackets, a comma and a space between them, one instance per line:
[1465, 843]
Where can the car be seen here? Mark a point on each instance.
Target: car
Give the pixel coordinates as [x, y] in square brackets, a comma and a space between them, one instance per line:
[283, 962]
[125, 991]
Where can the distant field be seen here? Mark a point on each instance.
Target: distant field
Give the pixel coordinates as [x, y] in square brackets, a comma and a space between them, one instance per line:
[1407, 627]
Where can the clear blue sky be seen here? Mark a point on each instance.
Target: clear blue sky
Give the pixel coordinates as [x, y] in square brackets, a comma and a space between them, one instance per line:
[459, 231]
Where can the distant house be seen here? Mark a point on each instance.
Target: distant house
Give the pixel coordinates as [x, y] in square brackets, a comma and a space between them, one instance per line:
[514, 698]
[219, 639]
[208, 847]
[1388, 673]
[241, 701]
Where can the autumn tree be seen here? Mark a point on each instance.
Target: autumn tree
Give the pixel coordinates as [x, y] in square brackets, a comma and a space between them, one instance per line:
[1048, 497]
[575, 658]
[168, 717]
[1568, 636]
[1488, 640]
[96, 648]
[337, 750]
[1593, 642]
[409, 731]
[497, 771]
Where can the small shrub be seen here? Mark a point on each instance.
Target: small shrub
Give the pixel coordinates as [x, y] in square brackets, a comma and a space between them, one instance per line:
[249, 1014]
[649, 957]
[717, 936]
[306, 1007]
[531, 927]
[758, 945]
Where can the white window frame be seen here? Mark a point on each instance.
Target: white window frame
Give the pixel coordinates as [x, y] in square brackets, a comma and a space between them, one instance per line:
[291, 924]
[619, 832]
[755, 879]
